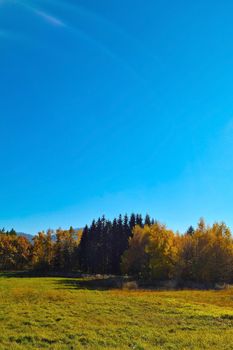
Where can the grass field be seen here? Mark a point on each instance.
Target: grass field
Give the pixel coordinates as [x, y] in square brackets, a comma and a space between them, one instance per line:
[58, 313]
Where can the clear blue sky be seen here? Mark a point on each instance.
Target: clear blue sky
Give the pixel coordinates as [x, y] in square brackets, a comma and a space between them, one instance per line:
[115, 106]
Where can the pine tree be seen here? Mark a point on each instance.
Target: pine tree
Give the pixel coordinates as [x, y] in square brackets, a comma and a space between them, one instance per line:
[115, 247]
[147, 220]
[82, 250]
[132, 221]
[139, 220]
[190, 231]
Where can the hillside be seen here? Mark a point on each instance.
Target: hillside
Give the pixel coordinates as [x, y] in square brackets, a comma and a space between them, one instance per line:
[26, 235]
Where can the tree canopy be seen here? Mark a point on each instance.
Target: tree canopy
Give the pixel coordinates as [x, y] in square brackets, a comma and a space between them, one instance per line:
[143, 248]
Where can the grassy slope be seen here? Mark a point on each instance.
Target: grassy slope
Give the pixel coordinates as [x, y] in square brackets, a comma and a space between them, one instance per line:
[53, 313]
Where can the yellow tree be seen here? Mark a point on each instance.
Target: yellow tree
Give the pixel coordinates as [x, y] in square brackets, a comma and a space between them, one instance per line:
[135, 260]
[43, 251]
[207, 255]
[65, 257]
[15, 252]
[152, 253]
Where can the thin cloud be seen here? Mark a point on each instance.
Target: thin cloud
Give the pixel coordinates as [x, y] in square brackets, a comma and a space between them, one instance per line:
[42, 14]
[84, 36]
[105, 22]
[50, 19]
[74, 30]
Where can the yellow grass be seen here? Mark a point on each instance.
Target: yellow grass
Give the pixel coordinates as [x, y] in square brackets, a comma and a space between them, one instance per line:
[58, 313]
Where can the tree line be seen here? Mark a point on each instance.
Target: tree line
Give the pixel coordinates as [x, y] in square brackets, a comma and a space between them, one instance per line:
[136, 246]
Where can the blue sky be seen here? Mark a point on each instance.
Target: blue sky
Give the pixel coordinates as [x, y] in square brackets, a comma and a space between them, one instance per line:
[115, 106]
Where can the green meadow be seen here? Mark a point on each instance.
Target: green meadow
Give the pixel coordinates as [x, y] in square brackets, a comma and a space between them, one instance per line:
[61, 313]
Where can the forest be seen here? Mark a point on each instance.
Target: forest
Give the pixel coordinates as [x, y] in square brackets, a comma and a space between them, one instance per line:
[133, 246]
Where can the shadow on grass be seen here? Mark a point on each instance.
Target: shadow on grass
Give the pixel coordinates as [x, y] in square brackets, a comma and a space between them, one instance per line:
[73, 281]
[92, 283]
[8, 274]
[31, 273]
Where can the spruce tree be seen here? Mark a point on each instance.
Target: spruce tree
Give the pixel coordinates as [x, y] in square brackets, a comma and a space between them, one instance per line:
[147, 220]
[132, 221]
[190, 231]
[83, 246]
[139, 220]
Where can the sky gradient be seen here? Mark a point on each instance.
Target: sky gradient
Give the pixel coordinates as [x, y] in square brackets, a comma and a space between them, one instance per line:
[109, 107]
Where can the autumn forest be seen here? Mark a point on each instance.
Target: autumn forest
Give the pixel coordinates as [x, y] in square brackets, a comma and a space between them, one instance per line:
[134, 246]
